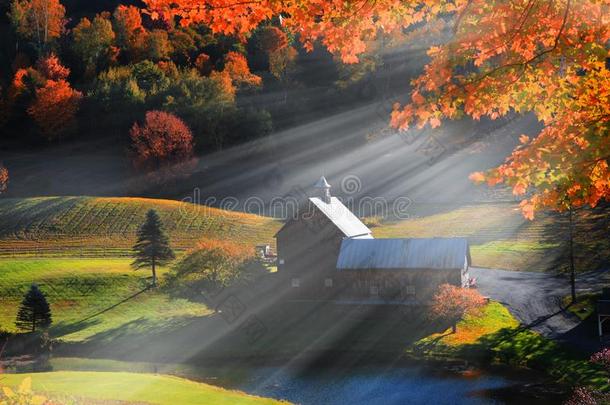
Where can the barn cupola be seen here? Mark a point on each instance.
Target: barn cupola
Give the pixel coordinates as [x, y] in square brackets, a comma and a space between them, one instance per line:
[323, 189]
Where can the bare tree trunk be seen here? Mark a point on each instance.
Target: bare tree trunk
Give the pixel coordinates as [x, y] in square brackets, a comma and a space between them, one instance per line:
[154, 273]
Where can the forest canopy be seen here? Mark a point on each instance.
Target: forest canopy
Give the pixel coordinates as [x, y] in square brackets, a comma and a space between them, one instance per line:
[549, 57]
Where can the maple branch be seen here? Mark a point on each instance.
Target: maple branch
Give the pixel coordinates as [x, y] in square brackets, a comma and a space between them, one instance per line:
[461, 16]
[533, 58]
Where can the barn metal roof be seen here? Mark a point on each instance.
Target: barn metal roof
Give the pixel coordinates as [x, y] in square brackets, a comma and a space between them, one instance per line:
[342, 217]
[433, 253]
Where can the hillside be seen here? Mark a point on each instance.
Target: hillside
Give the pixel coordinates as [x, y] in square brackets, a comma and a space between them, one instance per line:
[92, 226]
[501, 238]
[76, 249]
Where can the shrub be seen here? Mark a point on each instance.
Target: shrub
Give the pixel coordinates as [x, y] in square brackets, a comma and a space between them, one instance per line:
[213, 265]
[162, 146]
[452, 303]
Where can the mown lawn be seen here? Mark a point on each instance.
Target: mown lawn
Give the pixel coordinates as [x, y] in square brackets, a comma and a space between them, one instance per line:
[496, 337]
[90, 296]
[132, 387]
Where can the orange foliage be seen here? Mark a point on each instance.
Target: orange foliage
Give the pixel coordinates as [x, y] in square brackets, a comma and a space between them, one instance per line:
[272, 39]
[127, 25]
[452, 302]
[163, 142]
[236, 66]
[18, 85]
[51, 68]
[55, 106]
[548, 57]
[38, 20]
[3, 179]
[237, 252]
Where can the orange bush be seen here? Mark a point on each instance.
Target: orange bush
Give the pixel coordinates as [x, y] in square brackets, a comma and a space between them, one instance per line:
[163, 142]
[452, 302]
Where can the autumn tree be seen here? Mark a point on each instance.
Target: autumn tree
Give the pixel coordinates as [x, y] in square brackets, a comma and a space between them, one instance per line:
[40, 21]
[159, 46]
[50, 68]
[92, 41]
[271, 39]
[3, 179]
[547, 57]
[452, 303]
[46, 95]
[130, 34]
[152, 248]
[34, 311]
[162, 146]
[203, 64]
[55, 106]
[275, 45]
[237, 69]
[213, 265]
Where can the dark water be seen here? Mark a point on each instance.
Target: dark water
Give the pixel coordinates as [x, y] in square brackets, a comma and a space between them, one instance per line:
[403, 385]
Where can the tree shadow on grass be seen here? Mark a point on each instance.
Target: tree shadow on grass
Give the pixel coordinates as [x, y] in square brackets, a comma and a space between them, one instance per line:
[65, 328]
[521, 347]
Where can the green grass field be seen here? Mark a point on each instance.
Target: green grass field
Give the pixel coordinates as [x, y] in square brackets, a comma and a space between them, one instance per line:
[496, 337]
[77, 250]
[90, 296]
[131, 388]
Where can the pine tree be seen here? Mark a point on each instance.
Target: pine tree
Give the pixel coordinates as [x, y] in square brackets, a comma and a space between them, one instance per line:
[152, 248]
[34, 311]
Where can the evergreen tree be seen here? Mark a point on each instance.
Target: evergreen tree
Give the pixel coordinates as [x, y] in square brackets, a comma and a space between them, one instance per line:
[152, 248]
[34, 311]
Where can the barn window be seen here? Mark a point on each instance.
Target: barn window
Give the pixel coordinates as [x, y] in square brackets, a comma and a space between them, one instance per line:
[328, 282]
[374, 291]
[296, 282]
[281, 261]
[410, 290]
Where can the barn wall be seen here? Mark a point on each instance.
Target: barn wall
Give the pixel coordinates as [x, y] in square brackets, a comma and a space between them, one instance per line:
[308, 249]
[396, 285]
